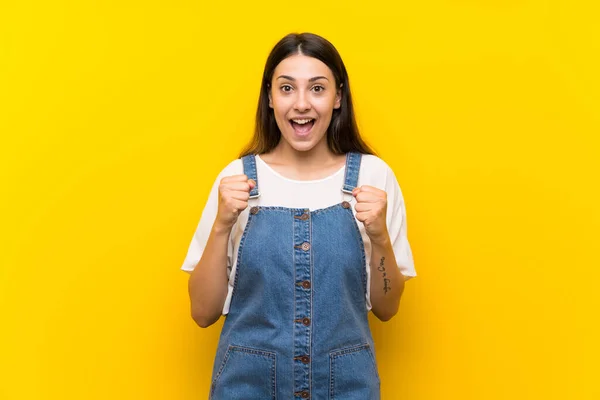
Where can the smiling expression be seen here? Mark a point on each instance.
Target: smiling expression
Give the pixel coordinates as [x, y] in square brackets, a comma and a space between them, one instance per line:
[303, 96]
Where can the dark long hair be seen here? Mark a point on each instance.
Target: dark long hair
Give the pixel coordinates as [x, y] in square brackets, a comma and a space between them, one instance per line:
[342, 133]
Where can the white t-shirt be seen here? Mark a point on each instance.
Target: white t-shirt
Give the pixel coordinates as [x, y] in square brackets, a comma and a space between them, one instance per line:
[277, 190]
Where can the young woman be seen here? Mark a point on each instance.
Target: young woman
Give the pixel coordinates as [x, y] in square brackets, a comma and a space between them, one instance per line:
[300, 237]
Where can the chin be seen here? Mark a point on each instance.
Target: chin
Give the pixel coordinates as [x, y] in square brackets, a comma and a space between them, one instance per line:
[305, 145]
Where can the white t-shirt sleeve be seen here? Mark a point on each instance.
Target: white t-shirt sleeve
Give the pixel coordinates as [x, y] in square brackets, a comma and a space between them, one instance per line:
[396, 222]
[207, 219]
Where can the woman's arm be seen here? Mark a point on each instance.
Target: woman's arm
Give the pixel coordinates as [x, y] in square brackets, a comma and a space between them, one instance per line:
[377, 214]
[207, 284]
[387, 282]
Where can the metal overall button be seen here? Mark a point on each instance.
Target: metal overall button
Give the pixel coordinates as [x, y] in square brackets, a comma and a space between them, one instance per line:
[304, 359]
[304, 394]
[305, 321]
[305, 284]
[345, 204]
[254, 210]
[304, 246]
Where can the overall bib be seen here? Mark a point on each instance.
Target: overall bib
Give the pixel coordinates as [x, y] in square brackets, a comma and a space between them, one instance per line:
[297, 326]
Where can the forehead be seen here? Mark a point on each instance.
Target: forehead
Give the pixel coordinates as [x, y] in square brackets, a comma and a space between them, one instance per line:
[302, 67]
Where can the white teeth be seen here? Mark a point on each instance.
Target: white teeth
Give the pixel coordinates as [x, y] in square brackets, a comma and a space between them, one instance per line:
[302, 121]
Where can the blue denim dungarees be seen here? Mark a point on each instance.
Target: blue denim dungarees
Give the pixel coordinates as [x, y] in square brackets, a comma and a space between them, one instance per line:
[297, 326]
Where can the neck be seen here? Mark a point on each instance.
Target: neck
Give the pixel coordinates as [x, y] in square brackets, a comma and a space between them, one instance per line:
[318, 156]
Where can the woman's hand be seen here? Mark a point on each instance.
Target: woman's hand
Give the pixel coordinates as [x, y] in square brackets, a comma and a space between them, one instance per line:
[371, 209]
[234, 192]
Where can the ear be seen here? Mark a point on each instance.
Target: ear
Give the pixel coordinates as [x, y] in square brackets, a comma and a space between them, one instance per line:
[338, 97]
[270, 98]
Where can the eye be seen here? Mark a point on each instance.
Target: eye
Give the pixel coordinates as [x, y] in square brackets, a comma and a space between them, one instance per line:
[284, 87]
[319, 87]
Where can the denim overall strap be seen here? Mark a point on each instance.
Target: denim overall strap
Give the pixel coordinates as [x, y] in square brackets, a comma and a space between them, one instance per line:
[351, 173]
[250, 170]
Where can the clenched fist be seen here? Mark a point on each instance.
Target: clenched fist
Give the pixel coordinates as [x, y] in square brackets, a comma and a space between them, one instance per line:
[234, 192]
[371, 210]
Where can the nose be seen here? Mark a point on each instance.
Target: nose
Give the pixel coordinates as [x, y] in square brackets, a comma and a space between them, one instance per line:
[302, 102]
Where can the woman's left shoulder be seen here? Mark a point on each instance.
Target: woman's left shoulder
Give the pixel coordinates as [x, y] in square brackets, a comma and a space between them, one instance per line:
[374, 165]
[374, 171]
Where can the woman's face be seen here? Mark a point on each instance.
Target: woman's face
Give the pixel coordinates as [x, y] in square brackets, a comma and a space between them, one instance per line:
[303, 95]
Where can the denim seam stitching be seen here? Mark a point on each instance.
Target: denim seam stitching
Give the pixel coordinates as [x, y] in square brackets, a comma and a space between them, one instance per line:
[240, 254]
[294, 309]
[311, 332]
[269, 355]
[335, 354]
[331, 377]
[362, 252]
[221, 367]
[372, 356]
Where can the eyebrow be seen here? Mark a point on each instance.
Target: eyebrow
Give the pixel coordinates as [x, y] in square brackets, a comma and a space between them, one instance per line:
[314, 78]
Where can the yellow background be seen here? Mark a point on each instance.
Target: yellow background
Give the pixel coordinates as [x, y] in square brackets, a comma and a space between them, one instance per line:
[116, 116]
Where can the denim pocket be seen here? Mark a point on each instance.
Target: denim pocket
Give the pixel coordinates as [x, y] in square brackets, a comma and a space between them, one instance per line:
[245, 373]
[353, 374]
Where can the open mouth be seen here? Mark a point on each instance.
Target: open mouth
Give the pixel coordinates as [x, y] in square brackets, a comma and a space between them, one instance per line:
[302, 126]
